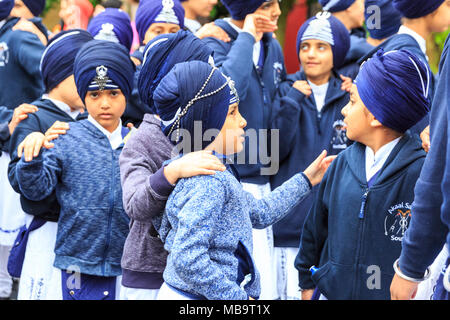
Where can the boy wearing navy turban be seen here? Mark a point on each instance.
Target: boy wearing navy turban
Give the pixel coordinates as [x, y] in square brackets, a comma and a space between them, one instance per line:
[60, 103]
[353, 233]
[82, 168]
[429, 230]
[351, 14]
[254, 60]
[307, 113]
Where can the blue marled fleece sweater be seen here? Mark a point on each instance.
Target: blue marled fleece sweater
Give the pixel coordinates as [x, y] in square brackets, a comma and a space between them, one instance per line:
[207, 230]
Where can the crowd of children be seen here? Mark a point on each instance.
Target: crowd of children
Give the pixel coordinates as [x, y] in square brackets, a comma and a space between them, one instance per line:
[188, 165]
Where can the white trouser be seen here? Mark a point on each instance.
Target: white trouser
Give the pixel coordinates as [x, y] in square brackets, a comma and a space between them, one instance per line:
[38, 263]
[287, 275]
[55, 286]
[5, 279]
[138, 294]
[263, 248]
[425, 289]
[167, 293]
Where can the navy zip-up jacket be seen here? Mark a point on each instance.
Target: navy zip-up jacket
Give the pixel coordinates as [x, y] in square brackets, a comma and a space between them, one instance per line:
[20, 56]
[430, 224]
[304, 134]
[256, 93]
[353, 233]
[40, 121]
[5, 118]
[84, 171]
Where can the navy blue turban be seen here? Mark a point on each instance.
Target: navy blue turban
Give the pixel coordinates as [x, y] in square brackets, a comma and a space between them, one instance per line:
[35, 6]
[390, 19]
[162, 53]
[239, 9]
[59, 56]
[335, 5]
[5, 8]
[327, 28]
[105, 63]
[158, 11]
[186, 95]
[112, 25]
[394, 87]
[412, 9]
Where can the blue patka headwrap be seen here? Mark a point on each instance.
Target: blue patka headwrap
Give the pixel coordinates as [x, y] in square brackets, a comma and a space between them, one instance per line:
[412, 9]
[193, 91]
[382, 19]
[5, 8]
[394, 87]
[35, 6]
[112, 25]
[325, 27]
[239, 9]
[59, 56]
[158, 11]
[335, 5]
[103, 65]
[162, 53]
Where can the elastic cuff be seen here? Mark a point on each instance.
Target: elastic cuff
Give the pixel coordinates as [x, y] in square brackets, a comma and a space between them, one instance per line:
[159, 183]
[307, 180]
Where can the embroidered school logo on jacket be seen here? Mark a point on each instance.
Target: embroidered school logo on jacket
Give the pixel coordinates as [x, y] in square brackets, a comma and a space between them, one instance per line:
[4, 54]
[397, 221]
[277, 72]
[339, 141]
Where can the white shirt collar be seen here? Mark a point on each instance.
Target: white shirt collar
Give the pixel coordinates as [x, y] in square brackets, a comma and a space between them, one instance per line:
[256, 46]
[192, 25]
[62, 106]
[115, 137]
[421, 41]
[374, 162]
[2, 23]
[319, 93]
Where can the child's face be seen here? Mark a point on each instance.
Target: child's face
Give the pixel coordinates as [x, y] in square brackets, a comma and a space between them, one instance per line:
[439, 20]
[316, 58]
[356, 13]
[106, 107]
[201, 8]
[357, 117]
[231, 138]
[20, 10]
[68, 93]
[270, 10]
[160, 28]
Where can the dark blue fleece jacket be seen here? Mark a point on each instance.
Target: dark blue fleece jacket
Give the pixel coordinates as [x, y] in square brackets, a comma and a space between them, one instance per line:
[256, 93]
[20, 56]
[40, 121]
[304, 134]
[430, 224]
[353, 233]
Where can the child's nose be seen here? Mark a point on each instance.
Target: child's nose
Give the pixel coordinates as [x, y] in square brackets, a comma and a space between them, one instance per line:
[344, 111]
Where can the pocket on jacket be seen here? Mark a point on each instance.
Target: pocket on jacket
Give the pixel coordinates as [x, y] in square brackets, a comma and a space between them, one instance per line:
[334, 281]
[83, 235]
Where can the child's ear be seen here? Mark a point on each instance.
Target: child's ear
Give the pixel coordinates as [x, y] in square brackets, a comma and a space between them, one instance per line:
[375, 123]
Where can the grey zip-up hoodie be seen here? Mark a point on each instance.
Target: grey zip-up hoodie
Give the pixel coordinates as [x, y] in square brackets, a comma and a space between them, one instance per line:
[145, 192]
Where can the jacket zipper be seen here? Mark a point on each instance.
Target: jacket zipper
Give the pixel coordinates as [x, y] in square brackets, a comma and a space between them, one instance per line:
[111, 209]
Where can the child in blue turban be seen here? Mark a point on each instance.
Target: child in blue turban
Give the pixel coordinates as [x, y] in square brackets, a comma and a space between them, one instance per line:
[28, 8]
[363, 205]
[254, 60]
[60, 103]
[307, 114]
[83, 168]
[207, 225]
[113, 25]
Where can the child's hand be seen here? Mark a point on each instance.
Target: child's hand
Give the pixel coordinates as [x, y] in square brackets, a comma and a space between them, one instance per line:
[307, 294]
[28, 26]
[211, 30]
[303, 86]
[257, 25]
[20, 113]
[193, 164]
[54, 131]
[402, 289]
[346, 83]
[31, 145]
[425, 137]
[317, 169]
